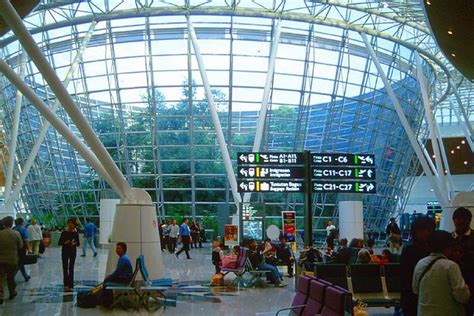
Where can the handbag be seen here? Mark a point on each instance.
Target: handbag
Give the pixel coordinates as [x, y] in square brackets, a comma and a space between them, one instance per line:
[87, 299]
[29, 259]
[230, 262]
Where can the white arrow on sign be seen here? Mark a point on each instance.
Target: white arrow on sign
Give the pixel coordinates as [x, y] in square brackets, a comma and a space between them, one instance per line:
[243, 186]
[370, 187]
[369, 173]
[243, 172]
[243, 158]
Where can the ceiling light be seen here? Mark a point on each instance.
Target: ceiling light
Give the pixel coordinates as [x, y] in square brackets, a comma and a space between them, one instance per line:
[458, 147]
[463, 142]
[452, 151]
[465, 162]
[428, 2]
[453, 54]
[433, 156]
[450, 32]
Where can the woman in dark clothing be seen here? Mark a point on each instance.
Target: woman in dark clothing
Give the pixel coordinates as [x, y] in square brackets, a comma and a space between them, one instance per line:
[69, 241]
[418, 248]
[195, 235]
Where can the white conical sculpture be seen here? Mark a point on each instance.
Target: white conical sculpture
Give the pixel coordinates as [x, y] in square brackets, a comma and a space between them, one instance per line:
[135, 223]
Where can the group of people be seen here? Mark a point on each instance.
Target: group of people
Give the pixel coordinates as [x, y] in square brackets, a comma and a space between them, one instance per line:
[437, 268]
[189, 236]
[266, 257]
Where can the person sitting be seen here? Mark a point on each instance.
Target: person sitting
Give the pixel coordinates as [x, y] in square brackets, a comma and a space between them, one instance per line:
[386, 257]
[355, 245]
[343, 253]
[269, 251]
[123, 272]
[217, 255]
[363, 256]
[373, 257]
[284, 253]
[256, 259]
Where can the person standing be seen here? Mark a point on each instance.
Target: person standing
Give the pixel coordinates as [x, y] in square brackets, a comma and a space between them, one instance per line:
[464, 236]
[195, 234]
[20, 227]
[69, 240]
[185, 236]
[35, 236]
[166, 236]
[421, 230]
[330, 234]
[89, 236]
[438, 281]
[10, 245]
[173, 231]
[394, 235]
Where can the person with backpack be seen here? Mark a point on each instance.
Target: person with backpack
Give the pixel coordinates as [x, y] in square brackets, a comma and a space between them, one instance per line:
[438, 281]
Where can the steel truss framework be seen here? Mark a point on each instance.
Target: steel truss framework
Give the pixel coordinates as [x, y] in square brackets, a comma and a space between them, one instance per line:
[139, 86]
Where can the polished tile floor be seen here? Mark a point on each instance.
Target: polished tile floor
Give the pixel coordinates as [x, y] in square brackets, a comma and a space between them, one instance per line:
[191, 295]
[43, 295]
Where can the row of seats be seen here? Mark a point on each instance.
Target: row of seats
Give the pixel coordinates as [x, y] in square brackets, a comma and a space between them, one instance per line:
[377, 285]
[319, 297]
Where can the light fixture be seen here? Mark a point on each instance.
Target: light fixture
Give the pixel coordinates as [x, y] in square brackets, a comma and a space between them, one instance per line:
[463, 142]
[453, 54]
[458, 147]
[450, 32]
[465, 162]
[433, 156]
[452, 151]
[428, 2]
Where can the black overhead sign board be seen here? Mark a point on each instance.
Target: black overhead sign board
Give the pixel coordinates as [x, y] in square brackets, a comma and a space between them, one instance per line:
[270, 172]
[368, 187]
[269, 158]
[356, 173]
[288, 186]
[343, 159]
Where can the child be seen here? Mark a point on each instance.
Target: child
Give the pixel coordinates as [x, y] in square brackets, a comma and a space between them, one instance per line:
[386, 257]
[217, 255]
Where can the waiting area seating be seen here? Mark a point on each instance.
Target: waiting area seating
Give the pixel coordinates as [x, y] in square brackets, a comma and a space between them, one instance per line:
[318, 297]
[375, 285]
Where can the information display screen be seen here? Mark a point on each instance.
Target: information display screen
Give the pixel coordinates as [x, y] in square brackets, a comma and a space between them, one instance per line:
[253, 229]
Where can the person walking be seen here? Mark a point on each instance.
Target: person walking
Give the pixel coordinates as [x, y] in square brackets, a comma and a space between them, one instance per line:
[394, 235]
[89, 236]
[166, 236]
[10, 245]
[20, 227]
[438, 281]
[331, 234]
[69, 240]
[35, 236]
[196, 234]
[174, 232]
[185, 236]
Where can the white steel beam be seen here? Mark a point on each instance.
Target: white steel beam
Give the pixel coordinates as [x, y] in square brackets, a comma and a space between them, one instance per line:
[266, 95]
[12, 18]
[14, 132]
[44, 129]
[57, 123]
[215, 118]
[406, 125]
[466, 127]
[431, 120]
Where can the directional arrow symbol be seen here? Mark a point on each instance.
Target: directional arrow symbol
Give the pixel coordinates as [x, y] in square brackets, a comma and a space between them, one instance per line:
[370, 187]
[243, 158]
[244, 172]
[369, 173]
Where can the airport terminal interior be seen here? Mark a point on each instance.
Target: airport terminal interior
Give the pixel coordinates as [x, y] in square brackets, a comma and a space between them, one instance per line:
[236, 157]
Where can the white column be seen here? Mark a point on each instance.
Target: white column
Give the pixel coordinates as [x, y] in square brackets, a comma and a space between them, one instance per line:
[107, 214]
[135, 223]
[464, 199]
[215, 118]
[351, 219]
[11, 17]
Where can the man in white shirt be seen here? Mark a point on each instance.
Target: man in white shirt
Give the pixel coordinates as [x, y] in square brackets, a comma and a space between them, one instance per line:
[330, 234]
[35, 236]
[438, 281]
[173, 233]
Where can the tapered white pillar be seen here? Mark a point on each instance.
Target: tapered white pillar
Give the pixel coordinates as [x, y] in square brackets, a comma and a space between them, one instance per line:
[107, 215]
[135, 223]
[351, 219]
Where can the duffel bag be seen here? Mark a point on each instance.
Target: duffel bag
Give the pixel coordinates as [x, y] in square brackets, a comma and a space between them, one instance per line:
[87, 299]
[29, 259]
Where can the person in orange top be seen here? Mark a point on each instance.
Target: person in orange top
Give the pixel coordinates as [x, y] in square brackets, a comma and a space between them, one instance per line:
[386, 257]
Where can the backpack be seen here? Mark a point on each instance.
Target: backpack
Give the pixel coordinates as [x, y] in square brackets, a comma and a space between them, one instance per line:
[87, 299]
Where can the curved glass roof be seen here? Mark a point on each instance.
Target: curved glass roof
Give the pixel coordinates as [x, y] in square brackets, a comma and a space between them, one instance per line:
[139, 85]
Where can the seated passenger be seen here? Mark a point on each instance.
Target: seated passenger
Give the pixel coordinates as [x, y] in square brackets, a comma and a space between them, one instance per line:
[363, 256]
[343, 253]
[285, 254]
[123, 272]
[269, 251]
[386, 257]
[355, 245]
[256, 259]
[217, 255]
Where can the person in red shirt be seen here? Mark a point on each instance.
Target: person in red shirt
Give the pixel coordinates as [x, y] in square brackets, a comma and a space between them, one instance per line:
[386, 257]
